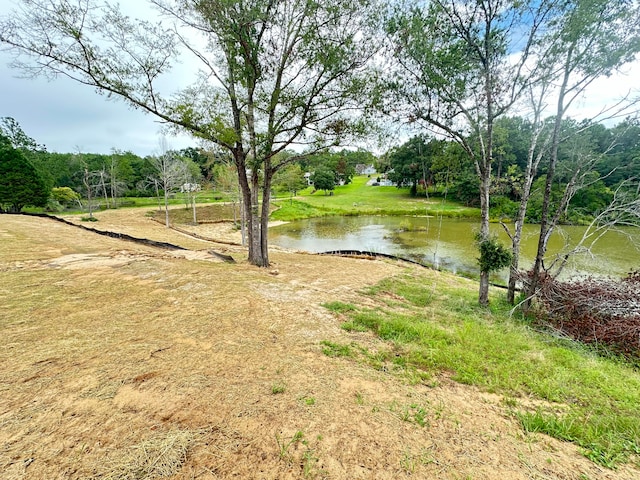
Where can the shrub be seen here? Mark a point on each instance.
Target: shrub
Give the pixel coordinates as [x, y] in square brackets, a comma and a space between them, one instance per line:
[503, 207]
[493, 255]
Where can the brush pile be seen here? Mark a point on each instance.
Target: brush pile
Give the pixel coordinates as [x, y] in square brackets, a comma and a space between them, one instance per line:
[605, 312]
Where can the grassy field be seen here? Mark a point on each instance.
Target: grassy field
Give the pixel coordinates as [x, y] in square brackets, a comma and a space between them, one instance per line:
[357, 198]
[550, 385]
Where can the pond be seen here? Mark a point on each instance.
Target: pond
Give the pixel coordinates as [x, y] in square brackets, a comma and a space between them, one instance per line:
[448, 244]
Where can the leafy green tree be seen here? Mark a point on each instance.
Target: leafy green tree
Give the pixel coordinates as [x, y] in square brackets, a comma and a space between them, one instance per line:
[343, 170]
[411, 162]
[623, 160]
[290, 179]
[323, 179]
[340, 163]
[587, 40]
[65, 196]
[467, 189]
[20, 183]
[450, 164]
[278, 74]
[12, 132]
[457, 74]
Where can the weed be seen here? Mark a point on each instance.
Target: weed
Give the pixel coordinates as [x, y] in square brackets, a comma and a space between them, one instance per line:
[309, 401]
[309, 461]
[278, 387]
[415, 414]
[353, 327]
[420, 417]
[331, 349]
[410, 461]
[339, 307]
[359, 398]
[407, 462]
[285, 445]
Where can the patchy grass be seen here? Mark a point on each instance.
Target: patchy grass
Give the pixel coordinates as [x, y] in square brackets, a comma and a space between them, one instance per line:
[339, 307]
[591, 401]
[332, 349]
[127, 361]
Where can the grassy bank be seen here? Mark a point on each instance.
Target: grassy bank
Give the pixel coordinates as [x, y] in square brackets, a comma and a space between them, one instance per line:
[358, 198]
[433, 328]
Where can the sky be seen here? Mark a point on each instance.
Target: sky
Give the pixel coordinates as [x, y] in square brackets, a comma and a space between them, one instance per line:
[66, 116]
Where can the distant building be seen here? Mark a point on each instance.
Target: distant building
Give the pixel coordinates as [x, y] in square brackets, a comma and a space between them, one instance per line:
[362, 169]
[307, 177]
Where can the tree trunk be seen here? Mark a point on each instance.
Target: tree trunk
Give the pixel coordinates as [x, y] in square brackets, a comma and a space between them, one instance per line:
[515, 261]
[483, 294]
[533, 161]
[166, 208]
[264, 220]
[249, 193]
[546, 227]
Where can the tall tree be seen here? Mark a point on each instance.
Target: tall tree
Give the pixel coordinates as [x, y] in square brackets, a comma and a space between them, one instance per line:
[586, 41]
[20, 183]
[225, 180]
[291, 179]
[171, 173]
[11, 130]
[324, 179]
[411, 163]
[462, 65]
[274, 73]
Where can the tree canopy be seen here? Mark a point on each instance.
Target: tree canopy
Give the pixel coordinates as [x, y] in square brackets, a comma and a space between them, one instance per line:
[20, 183]
[273, 74]
[323, 179]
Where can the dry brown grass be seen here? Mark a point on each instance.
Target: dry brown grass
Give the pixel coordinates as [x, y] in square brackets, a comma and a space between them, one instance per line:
[125, 361]
[158, 457]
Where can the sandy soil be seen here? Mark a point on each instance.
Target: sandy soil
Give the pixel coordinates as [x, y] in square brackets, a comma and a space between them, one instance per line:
[129, 362]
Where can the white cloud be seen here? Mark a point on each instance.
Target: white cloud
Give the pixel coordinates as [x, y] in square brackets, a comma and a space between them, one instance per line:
[65, 115]
[606, 92]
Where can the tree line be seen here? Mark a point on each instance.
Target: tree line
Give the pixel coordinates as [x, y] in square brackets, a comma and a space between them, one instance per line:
[433, 166]
[280, 81]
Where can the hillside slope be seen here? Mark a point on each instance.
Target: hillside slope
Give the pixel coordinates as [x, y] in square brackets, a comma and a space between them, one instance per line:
[125, 361]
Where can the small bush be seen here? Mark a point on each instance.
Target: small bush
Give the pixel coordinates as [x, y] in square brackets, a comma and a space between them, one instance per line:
[493, 255]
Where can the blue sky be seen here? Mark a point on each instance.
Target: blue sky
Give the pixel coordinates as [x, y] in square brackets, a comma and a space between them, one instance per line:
[67, 116]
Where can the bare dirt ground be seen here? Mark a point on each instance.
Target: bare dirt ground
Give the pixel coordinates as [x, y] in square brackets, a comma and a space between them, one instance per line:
[121, 361]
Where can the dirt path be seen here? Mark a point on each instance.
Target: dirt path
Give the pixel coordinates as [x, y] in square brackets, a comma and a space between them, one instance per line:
[124, 361]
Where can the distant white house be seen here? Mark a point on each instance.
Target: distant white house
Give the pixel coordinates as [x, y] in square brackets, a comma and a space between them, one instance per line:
[362, 169]
[307, 177]
[190, 188]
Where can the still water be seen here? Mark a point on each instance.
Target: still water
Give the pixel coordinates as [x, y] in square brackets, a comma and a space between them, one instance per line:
[449, 243]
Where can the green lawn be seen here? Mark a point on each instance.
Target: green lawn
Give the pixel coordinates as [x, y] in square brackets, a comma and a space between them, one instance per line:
[358, 198]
